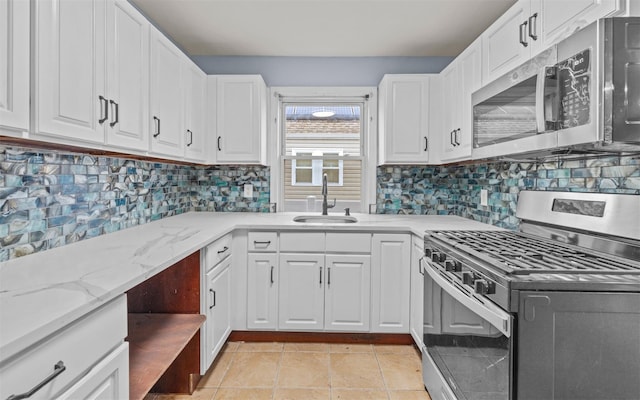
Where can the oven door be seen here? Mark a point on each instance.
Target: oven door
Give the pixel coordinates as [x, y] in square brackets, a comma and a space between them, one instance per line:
[467, 351]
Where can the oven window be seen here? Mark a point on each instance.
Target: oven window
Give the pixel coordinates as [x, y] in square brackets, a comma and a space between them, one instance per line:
[472, 355]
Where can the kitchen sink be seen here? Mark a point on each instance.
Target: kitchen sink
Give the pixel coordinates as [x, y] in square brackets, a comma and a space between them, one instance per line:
[326, 219]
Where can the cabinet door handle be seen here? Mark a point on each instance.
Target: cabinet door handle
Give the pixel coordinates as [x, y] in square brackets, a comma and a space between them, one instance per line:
[213, 295]
[219, 148]
[329, 276]
[115, 112]
[451, 138]
[321, 275]
[533, 31]
[523, 35]
[225, 248]
[104, 108]
[157, 122]
[57, 370]
[455, 136]
[426, 143]
[272, 274]
[190, 137]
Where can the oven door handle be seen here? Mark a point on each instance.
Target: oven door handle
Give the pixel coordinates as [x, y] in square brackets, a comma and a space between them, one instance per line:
[488, 311]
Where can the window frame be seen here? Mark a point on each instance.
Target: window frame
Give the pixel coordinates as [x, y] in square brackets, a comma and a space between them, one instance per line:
[369, 146]
[317, 166]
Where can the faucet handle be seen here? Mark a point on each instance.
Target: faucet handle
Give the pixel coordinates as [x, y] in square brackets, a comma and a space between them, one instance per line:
[346, 211]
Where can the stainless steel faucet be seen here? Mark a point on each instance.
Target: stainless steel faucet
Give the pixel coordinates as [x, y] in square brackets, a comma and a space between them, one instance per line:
[325, 192]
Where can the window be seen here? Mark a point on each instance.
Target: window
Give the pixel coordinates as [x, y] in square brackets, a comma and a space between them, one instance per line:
[308, 172]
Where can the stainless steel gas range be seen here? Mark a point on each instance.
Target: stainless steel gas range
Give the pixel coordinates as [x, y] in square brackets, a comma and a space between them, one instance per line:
[549, 312]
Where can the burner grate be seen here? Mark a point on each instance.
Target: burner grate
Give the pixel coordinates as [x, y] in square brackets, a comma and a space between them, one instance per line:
[517, 253]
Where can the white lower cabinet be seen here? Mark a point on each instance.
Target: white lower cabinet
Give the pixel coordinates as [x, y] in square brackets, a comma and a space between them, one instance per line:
[107, 380]
[301, 297]
[262, 291]
[218, 309]
[417, 292]
[390, 283]
[347, 293]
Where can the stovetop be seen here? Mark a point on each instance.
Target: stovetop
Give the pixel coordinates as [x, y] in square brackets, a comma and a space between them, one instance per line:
[517, 253]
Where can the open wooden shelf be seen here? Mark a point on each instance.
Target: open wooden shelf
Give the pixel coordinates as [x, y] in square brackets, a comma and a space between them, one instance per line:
[156, 342]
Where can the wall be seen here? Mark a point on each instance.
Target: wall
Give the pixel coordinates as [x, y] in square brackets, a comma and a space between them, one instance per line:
[321, 71]
[49, 198]
[455, 190]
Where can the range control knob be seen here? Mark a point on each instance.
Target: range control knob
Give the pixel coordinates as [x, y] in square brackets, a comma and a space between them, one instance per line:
[452, 265]
[482, 286]
[427, 252]
[436, 256]
[467, 278]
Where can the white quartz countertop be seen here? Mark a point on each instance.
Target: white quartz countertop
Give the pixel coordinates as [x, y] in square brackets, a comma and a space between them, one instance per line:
[44, 292]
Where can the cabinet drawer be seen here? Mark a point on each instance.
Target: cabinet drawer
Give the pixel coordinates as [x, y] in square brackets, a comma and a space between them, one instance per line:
[263, 241]
[349, 242]
[302, 241]
[217, 251]
[79, 346]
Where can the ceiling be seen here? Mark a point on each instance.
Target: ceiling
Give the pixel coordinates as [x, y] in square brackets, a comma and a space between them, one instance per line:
[323, 28]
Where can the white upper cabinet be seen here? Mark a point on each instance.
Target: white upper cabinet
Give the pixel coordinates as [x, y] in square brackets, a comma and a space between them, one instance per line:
[127, 76]
[240, 119]
[460, 79]
[195, 98]
[14, 66]
[70, 94]
[165, 97]
[403, 119]
[530, 26]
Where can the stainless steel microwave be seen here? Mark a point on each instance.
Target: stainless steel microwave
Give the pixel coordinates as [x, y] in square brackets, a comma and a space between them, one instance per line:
[582, 93]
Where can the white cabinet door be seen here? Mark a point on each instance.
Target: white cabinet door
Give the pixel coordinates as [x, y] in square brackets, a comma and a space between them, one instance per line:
[195, 98]
[218, 311]
[70, 94]
[347, 293]
[166, 96]
[460, 82]
[301, 297]
[505, 44]
[403, 119]
[417, 292]
[262, 291]
[390, 263]
[555, 20]
[14, 65]
[107, 380]
[127, 76]
[240, 119]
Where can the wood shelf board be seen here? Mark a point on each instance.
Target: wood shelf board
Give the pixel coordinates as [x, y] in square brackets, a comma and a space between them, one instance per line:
[155, 341]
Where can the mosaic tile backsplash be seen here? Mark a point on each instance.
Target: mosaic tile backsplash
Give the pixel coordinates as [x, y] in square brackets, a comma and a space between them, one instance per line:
[50, 198]
[455, 190]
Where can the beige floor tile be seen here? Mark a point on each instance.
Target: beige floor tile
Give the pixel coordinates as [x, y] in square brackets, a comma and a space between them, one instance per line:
[243, 394]
[409, 395]
[302, 394]
[218, 369]
[199, 394]
[395, 349]
[251, 370]
[307, 347]
[350, 348]
[355, 371]
[231, 346]
[260, 347]
[304, 370]
[358, 394]
[401, 372]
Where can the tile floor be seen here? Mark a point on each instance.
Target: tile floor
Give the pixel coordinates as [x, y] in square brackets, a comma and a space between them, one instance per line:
[311, 371]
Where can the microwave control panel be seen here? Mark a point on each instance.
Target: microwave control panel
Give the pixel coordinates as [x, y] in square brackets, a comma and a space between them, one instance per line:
[574, 78]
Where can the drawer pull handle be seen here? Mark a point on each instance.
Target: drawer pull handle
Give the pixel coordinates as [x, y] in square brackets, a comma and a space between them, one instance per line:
[57, 370]
[266, 243]
[225, 248]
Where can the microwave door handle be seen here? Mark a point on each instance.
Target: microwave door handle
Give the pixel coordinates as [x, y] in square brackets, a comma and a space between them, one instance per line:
[540, 109]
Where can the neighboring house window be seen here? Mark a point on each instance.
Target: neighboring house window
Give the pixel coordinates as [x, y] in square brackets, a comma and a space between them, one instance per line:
[309, 171]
